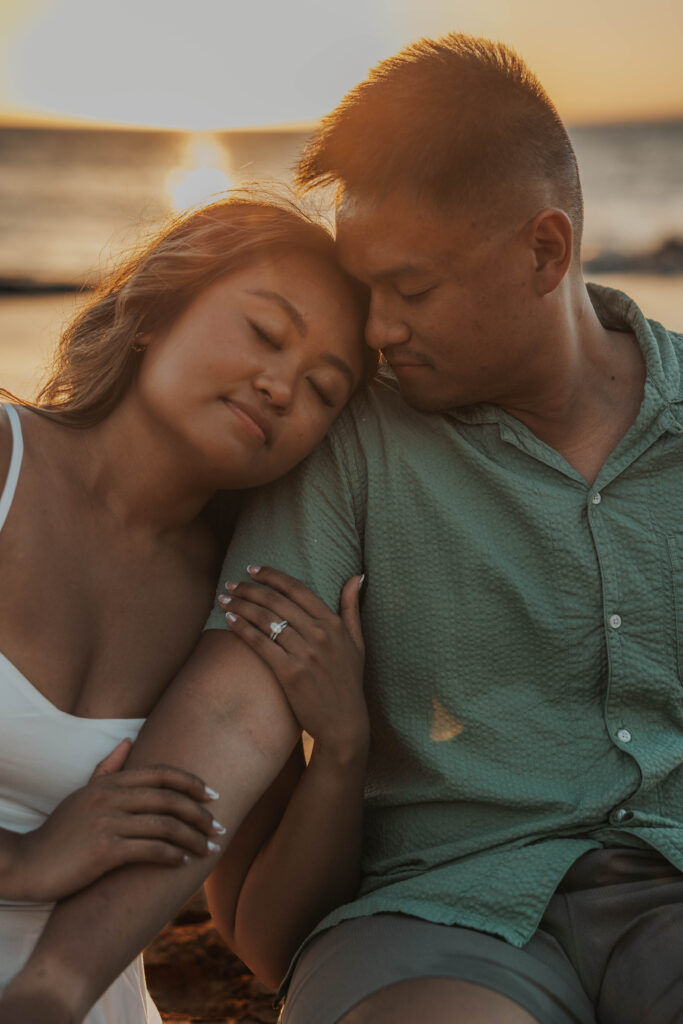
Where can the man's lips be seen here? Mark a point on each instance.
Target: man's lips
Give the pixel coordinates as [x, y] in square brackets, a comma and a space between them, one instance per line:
[252, 418]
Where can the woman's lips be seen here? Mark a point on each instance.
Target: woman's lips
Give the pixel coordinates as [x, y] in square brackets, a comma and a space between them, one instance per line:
[247, 420]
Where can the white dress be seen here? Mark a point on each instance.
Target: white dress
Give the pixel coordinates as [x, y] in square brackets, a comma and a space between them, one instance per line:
[45, 754]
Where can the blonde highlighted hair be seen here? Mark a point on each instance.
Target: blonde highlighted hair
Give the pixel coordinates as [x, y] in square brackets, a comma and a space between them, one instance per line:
[96, 359]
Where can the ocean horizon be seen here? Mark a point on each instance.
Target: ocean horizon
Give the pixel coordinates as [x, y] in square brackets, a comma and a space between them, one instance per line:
[72, 198]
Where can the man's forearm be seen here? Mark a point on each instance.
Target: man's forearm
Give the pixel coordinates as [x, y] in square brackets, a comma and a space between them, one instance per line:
[226, 720]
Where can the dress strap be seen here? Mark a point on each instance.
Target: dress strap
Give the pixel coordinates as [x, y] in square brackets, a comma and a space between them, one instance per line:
[15, 463]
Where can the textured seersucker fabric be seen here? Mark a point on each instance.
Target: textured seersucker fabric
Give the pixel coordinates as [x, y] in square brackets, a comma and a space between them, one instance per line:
[524, 638]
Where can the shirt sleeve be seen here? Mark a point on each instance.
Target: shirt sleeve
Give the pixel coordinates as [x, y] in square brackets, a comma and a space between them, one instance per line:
[308, 524]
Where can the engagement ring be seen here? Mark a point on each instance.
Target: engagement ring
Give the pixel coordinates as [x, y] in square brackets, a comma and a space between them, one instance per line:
[276, 628]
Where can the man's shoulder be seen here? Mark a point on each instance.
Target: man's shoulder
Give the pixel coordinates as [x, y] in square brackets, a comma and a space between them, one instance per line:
[375, 410]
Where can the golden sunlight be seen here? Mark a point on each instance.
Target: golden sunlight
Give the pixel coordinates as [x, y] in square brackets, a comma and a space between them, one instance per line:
[201, 177]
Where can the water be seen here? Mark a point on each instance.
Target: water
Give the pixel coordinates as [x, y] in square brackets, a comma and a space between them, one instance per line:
[70, 199]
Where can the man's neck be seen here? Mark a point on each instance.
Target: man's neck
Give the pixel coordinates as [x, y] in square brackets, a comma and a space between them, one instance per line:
[590, 390]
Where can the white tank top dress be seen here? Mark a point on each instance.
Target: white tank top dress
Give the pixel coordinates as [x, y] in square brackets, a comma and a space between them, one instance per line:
[45, 754]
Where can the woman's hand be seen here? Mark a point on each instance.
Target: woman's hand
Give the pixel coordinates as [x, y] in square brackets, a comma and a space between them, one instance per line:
[317, 657]
[155, 815]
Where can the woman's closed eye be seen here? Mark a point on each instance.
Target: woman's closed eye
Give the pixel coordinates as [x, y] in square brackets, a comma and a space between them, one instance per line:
[264, 335]
[322, 393]
[416, 296]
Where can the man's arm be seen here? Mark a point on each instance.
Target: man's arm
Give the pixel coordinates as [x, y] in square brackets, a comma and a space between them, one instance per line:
[225, 719]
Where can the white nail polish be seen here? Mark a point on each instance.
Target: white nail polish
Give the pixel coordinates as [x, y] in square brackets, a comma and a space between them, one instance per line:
[217, 827]
[230, 617]
[211, 793]
[361, 581]
[224, 600]
[186, 858]
[214, 847]
[253, 569]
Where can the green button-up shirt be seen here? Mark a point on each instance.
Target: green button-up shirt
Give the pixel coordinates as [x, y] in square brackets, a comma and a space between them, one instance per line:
[524, 638]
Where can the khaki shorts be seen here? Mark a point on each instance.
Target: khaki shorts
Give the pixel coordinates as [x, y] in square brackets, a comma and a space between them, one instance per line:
[609, 948]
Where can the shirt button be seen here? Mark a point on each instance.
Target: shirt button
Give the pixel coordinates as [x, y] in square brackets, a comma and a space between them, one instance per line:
[619, 816]
[615, 621]
[624, 735]
[596, 499]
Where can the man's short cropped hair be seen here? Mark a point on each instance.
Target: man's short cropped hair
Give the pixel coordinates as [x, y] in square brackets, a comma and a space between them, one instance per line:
[452, 120]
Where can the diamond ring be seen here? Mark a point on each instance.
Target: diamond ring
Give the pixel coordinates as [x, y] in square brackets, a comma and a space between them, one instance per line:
[276, 628]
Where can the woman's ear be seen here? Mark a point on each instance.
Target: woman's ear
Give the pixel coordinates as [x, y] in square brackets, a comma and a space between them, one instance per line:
[552, 239]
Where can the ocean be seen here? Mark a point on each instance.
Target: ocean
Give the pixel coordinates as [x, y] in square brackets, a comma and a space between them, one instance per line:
[71, 199]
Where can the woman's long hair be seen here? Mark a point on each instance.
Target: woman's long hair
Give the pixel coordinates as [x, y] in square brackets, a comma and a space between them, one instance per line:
[96, 358]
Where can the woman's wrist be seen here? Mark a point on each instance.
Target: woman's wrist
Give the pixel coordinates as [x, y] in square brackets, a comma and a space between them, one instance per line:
[347, 749]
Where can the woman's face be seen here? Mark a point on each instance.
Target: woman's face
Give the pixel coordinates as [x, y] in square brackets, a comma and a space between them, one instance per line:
[251, 375]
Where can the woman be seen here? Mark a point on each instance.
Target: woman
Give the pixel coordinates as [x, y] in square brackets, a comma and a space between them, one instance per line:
[214, 360]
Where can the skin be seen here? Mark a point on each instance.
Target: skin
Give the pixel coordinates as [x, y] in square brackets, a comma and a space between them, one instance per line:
[235, 392]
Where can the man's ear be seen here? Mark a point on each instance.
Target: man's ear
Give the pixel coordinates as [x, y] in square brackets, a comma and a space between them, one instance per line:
[552, 237]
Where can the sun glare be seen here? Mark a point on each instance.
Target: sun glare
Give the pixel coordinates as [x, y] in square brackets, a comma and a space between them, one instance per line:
[201, 177]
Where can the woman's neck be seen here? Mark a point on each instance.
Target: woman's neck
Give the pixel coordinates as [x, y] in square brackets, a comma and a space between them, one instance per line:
[133, 468]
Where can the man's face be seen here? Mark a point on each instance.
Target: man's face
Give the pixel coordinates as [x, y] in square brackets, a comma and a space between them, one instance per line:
[452, 298]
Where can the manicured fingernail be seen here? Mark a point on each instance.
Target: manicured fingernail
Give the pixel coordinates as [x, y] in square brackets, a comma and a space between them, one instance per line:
[361, 581]
[187, 859]
[211, 793]
[212, 846]
[253, 569]
[224, 599]
[231, 585]
[217, 827]
[231, 617]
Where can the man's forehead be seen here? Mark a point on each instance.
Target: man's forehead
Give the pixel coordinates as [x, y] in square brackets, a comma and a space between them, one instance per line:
[391, 236]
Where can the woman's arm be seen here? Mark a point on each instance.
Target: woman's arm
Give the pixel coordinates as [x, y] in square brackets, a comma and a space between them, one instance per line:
[119, 817]
[225, 719]
[297, 855]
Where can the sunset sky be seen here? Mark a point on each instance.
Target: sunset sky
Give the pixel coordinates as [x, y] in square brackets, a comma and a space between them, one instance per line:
[211, 64]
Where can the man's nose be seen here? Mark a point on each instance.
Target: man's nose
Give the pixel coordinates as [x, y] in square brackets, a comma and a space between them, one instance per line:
[384, 327]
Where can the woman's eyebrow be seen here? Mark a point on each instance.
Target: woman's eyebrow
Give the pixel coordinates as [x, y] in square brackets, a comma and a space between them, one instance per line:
[291, 311]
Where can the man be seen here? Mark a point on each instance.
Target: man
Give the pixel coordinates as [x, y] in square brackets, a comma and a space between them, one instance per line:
[519, 521]
[516, 508]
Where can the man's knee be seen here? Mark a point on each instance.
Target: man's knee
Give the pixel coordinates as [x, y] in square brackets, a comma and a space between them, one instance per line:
[439, 1001]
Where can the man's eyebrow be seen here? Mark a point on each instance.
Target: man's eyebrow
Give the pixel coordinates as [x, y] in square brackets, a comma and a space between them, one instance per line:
[401, 268]
[333, 360]
[291, 311]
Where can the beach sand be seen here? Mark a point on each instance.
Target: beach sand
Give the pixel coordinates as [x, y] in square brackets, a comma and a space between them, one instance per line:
[194, 978]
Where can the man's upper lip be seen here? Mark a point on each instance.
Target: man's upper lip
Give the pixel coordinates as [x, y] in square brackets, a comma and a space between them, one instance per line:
[254, 413]
[405, 360]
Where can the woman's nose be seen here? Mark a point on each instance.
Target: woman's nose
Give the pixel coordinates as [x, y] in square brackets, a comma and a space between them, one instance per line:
[276, 388]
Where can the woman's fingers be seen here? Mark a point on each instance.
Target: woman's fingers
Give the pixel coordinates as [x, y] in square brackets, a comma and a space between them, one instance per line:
[349, 610]
[168, 777]
[141, 800]
[115, 760]
[262, 606]
[153, 851]
[168, 829]
[292, 588]
[275, 655]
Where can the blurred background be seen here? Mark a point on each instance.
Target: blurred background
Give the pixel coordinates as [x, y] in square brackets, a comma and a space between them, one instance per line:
[114, 115]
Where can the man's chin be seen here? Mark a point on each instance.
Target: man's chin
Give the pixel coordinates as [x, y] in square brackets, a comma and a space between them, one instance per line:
[417, 399]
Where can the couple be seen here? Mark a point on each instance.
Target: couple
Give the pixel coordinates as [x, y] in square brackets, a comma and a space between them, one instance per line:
[513, 494]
